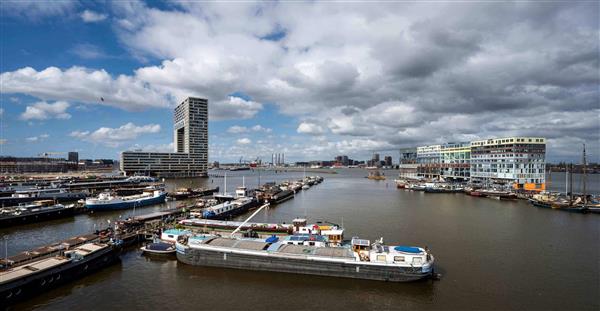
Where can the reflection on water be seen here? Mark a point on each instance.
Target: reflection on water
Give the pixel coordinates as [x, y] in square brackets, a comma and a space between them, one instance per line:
[492, 254]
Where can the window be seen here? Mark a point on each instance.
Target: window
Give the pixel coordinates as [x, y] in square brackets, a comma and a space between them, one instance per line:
[381, 258]
[417, 260]
[398, 258]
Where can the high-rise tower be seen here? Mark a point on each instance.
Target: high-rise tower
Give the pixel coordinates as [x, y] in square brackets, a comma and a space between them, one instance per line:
[190, 141]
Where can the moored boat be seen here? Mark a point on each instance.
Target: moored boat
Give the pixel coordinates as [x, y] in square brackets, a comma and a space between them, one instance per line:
[333, 232]
[107, 201]
[309, 254]
[158, 248]
[229, 209]
[34, 212]
[281, 196]
[21, 282]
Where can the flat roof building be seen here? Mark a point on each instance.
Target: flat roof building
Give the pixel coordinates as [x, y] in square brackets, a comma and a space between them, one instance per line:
[429, 160]
[455, 160]
[520, 161]
[190, 156]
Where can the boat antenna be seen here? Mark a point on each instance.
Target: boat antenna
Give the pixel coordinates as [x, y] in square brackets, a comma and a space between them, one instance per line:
[225, 182]
[243, 181]
[248, 219]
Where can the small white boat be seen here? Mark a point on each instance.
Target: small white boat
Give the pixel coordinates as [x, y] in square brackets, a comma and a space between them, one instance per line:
[159, 248]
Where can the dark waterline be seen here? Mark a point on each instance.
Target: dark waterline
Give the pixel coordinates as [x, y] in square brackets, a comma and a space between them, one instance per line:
[492, 254]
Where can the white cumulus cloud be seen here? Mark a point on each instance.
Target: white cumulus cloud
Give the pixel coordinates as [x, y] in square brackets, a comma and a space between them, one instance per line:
[310, 128]
[237, 129]
[114, 137]
[92, 17]
[244, 141]
[84, 85]
[35, 139]
[400, 72]
[43, 111]
[233, 108]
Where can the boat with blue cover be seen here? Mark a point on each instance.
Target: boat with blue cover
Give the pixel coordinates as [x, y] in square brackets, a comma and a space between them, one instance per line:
[108, 201]
[159, 248]
[309, 254]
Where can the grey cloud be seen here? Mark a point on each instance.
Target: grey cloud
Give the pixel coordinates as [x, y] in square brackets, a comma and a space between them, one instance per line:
[399, 73]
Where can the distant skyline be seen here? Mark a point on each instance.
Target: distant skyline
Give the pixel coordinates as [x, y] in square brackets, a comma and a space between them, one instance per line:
[312, 80]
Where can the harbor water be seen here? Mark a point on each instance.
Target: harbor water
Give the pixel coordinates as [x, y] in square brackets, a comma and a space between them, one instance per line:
[491, 254]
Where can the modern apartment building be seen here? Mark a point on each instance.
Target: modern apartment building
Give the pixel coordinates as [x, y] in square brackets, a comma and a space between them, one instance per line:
[428, 158]
[408, 167]
[520, 161]
[190, 157]
[455, 160]
[515, 161]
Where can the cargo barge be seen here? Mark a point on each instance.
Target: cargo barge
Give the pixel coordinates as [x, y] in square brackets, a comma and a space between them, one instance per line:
[281, 196]
[35, 212]
[186, 193]
[107, 201]
[39, 276]
[309, 254]
[333, 232]
[230, 209]
[59, 195]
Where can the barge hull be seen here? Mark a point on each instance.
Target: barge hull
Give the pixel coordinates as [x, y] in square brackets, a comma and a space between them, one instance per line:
[42, 282]
[222, 259]
[13, 201]
[125, 205]
[36, 217]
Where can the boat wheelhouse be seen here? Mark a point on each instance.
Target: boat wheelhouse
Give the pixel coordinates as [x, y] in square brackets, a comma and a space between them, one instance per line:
[171, 235]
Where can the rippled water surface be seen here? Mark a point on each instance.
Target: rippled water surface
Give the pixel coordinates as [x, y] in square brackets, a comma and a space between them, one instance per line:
[492, 254]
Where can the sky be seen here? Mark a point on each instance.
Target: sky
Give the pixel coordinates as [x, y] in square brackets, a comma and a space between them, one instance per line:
[309, 79]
